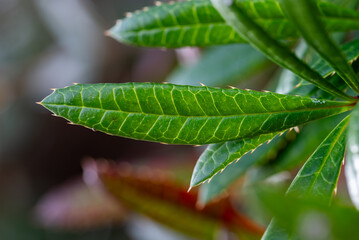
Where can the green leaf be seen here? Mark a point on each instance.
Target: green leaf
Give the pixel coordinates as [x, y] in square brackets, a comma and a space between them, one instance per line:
[220, 66]
[309, 90]
[302, 87]
[346, 3]
[287, 80]
[351, 50]
[302, 12]
[305, 143]
[352, 159]
[184, 114]
[318, 177]
[197, 23]
[236, 17]
[220, 182]
[218, 156]
[308, 218]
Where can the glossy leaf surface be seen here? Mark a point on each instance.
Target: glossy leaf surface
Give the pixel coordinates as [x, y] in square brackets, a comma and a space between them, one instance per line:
[304, 145]
[319, 175]
[300, 13]
[218, 156]
[352, 159]
[197, 23]
[237, 18]
[220, 182]
[183, 114]
[303, 88]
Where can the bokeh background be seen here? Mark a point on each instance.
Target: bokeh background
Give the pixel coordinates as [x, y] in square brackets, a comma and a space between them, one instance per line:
[52, 44]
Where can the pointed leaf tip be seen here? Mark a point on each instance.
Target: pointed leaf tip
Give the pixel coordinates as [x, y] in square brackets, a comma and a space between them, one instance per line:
[151, 27]
[218, 156]
[207, 116]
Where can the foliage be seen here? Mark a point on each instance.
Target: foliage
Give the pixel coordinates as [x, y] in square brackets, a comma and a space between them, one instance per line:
[141, 191]
[236, 122]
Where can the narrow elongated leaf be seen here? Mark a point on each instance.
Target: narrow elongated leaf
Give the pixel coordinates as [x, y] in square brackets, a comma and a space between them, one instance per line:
[197, 23]
[302, 12]
[237, 18]
[287, 80]
[319, 175]
[304, 145]
[304, 88]
[349, 49]
[309, 90]
[212, 157]
[183, 114]
[218, 156]
[220, 182]
[222, 66]
[159, 197]
[352, 159]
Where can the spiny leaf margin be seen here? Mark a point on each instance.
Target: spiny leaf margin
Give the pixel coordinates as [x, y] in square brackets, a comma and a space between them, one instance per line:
[236, 17]
[318, 178]
[301, 12]
[177, 114]
[218, 156]
[197, 23]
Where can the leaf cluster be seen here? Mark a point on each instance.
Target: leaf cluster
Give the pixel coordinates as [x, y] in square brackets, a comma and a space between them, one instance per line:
[319, 77]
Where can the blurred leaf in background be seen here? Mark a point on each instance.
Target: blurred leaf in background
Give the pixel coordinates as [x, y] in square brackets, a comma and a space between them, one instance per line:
[77, 206]
[155, 195]
[309, 218]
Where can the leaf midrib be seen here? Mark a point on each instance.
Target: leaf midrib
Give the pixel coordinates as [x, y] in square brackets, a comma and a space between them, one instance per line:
[327, 157]
[208, 24]
[208, 116]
